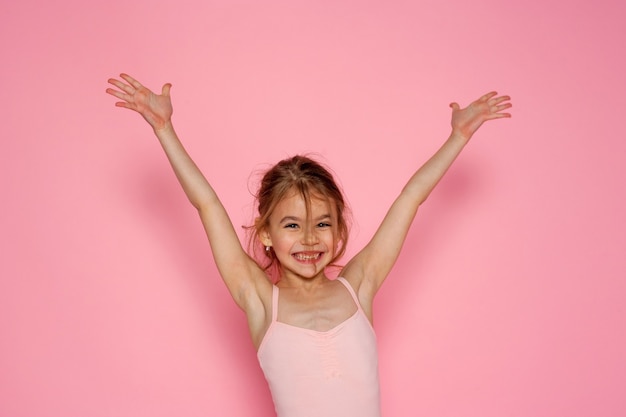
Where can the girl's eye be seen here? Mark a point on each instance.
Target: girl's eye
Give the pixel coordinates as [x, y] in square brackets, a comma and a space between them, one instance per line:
[323, 225]
[291, 226]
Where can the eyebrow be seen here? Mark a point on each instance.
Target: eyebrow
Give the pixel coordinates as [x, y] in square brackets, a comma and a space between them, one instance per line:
[297, 219]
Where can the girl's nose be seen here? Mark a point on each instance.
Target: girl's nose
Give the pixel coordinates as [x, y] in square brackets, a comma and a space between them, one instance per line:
[309, 237]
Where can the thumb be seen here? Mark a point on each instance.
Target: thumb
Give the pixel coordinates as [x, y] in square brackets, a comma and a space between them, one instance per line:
[166, 89]
[454, 106]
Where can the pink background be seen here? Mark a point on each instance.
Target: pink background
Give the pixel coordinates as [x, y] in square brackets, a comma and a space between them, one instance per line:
[508, 298]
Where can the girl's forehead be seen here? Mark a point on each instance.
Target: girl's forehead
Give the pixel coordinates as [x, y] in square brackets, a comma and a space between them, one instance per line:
[295, 202]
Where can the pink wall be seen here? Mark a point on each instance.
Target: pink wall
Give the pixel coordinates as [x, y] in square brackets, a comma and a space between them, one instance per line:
[508, 299]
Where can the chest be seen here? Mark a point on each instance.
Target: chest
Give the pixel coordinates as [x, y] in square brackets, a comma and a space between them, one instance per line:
[319, 311]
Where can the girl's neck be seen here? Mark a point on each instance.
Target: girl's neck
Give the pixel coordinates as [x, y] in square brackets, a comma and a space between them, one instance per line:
[288, 280]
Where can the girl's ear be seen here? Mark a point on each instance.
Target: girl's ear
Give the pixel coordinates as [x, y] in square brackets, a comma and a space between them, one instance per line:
[264, 237]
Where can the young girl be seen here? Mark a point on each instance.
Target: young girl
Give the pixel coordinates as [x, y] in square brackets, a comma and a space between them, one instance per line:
[314, 338]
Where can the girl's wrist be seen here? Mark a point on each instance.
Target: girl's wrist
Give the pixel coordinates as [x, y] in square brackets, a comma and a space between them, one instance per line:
[166, 127]
[458, 135]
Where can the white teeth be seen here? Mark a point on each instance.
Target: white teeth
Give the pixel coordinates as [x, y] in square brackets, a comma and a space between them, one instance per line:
[303, 257]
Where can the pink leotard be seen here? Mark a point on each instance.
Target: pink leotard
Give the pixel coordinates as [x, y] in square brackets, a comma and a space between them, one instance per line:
[322, 374]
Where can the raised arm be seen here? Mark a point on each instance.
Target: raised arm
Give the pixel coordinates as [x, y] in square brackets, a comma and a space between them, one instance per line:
[240, 273]
[369, 268]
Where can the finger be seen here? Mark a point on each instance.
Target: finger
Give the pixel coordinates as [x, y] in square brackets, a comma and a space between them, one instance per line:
[488, 96]
[166, 89]
[118, 94]
[454, 106]
[498, 116]
[125, 105]
[130, 80]
[124, 87]
[498, 100]
[503, 106]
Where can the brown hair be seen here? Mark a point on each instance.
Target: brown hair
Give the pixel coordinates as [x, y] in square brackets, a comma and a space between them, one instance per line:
[309, 178]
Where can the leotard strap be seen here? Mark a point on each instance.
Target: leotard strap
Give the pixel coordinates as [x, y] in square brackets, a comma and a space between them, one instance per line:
[350, 290]
[274, 303]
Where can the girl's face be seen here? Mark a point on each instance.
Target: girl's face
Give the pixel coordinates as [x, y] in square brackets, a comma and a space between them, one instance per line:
[303, 241]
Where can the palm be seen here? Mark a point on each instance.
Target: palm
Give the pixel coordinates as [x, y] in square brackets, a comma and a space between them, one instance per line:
[467, 121]
[156, 109]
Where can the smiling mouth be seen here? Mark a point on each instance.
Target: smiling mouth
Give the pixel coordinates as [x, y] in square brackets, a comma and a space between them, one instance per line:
[307, 257]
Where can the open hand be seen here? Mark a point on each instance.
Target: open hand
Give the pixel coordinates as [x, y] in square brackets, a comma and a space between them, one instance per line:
[490, 106]
[156, 109]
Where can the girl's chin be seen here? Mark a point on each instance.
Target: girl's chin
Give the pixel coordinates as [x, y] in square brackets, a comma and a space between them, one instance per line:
[308, 268]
